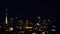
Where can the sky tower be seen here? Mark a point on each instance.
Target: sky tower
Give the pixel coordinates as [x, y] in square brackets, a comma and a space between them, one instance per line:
[6, 18]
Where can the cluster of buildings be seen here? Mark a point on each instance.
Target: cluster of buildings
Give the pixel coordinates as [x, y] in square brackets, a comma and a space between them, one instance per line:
[27, 26]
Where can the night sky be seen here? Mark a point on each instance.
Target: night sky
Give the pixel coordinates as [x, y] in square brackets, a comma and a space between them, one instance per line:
[16, 8]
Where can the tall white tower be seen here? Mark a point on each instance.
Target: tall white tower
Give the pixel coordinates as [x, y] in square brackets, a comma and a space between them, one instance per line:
[6, 18]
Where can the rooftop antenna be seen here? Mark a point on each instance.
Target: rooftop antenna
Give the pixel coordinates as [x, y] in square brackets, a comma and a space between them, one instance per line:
[6, 19]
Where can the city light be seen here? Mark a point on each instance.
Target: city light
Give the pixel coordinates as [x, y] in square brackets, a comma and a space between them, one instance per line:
[28, 27]
[38, 24]
[53, 30]
[10, 29]
[43, 32]
[34, 33]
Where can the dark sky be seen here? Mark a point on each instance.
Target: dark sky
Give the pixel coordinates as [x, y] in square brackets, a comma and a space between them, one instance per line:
[17, 8]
